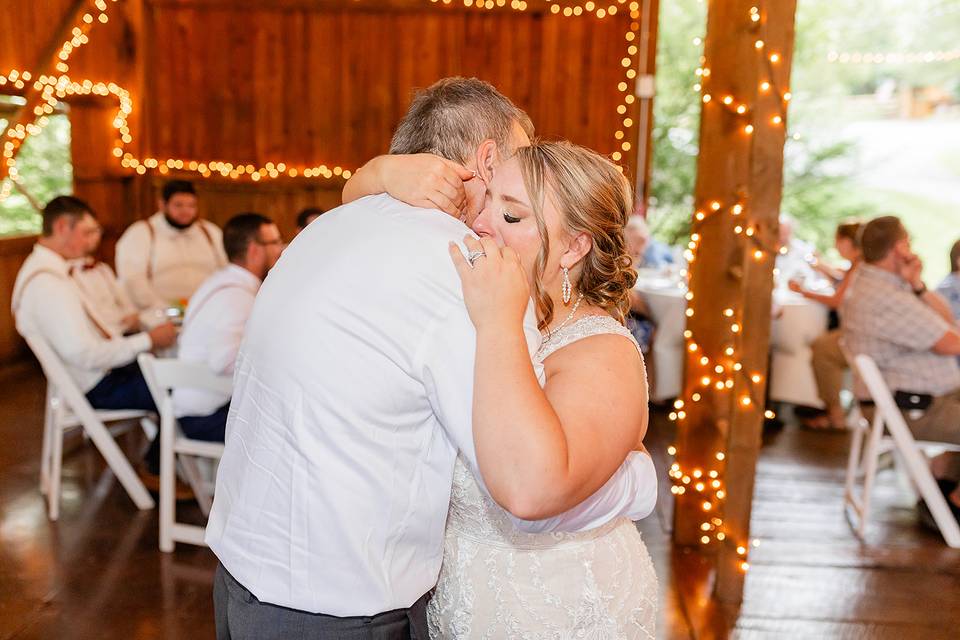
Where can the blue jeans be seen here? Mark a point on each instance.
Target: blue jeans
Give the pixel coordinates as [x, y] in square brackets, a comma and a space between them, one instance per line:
[122, 388]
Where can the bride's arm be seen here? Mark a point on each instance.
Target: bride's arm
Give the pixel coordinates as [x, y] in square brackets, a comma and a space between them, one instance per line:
[543, 451]
[422, 180]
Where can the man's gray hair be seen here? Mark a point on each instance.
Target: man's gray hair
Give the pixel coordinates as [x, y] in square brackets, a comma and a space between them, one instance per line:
[453, 116]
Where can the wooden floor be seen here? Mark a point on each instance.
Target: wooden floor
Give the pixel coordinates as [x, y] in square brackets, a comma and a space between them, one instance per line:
[97, 573]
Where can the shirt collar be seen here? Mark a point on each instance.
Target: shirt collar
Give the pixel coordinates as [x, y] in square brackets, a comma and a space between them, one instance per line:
[242, 276]
[50, 259]
[885, 276]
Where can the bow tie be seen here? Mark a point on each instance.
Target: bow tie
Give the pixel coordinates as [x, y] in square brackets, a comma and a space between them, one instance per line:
[89, 263]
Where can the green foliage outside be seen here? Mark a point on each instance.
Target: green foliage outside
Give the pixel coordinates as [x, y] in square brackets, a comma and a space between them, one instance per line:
[46, 171]
[821, 167]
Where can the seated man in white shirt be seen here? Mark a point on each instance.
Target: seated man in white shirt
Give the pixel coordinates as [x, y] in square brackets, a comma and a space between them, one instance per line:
[103, 294]
[162, 260]
[215, 319]
[47, 303]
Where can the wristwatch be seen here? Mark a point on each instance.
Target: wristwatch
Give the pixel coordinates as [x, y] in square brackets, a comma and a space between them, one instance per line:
[919, 291]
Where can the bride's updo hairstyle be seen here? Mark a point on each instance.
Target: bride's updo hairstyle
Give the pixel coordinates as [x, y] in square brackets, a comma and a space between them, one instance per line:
[593, 197]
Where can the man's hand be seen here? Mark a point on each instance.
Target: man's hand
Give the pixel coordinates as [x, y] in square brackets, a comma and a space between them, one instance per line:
[163, 336]
[131, 323]
[912, 271]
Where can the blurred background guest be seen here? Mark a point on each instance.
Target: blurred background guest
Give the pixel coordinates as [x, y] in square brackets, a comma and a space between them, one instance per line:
[217, 314]
[949, 288]
[307, 216]
[829, 364]
[794, 256]
[162, 260]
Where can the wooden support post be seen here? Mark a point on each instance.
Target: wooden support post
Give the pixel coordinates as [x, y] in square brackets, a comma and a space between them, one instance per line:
[733, 249]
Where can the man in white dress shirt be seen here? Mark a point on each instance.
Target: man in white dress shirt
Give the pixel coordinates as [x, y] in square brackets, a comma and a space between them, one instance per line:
[47, 303]
[352, 397]
[213, 326]
[162, 260]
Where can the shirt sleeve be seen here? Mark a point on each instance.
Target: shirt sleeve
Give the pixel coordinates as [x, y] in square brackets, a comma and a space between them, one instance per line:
[133, 257]
[58, 314]
[909, 322]
[448, 365]
[230, 315]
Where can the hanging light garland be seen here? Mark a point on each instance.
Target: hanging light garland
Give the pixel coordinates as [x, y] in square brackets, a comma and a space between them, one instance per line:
[726, 373]
[869, 57]
[54, 88]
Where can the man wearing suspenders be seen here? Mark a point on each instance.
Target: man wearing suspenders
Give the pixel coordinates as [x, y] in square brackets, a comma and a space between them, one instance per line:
[215, 319]
[47, 303]
[162, 260]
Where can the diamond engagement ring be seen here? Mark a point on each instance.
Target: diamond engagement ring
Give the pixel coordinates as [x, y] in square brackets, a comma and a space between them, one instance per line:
[473, 256]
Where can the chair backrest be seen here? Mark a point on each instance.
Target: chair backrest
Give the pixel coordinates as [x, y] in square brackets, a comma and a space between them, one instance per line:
[163, 375]
[56, 372]
[879, 391]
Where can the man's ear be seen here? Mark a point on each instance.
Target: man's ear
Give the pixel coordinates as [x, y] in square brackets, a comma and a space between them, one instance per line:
[487, 158]
[579, 246]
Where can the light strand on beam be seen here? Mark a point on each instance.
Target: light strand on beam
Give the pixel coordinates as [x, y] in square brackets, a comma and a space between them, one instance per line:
[54, 88]
[725, 374]
[918, 57]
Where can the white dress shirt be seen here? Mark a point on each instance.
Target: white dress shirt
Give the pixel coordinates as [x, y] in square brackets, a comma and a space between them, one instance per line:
[168, 265]
[212, 331]
[352, 394]
[48, 303]
[102, 293]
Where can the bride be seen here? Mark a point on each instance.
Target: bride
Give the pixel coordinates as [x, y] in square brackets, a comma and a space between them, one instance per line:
[558, 211]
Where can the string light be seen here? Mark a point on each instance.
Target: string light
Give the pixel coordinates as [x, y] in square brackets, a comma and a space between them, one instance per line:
[918, 57]
[53, 89]
[746, 386]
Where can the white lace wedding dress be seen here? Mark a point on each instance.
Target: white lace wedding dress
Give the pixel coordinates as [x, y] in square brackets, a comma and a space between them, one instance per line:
[498, 582]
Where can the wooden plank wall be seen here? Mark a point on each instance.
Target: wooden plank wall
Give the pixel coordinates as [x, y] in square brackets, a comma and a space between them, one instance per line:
[310, 82]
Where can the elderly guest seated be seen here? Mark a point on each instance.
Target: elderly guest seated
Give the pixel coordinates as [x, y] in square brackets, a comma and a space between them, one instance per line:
[215, 319]
[889, 314]
[829, 365]
[48, 303]
[950, 287]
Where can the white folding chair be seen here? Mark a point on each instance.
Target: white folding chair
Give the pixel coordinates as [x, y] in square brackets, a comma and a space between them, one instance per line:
[163, 375]
[908, 453]
[66, 408]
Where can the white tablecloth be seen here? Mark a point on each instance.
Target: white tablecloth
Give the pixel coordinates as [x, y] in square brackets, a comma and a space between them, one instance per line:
[797, 323]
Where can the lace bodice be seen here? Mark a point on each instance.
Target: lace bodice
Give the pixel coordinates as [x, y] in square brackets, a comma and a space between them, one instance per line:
[583, 328]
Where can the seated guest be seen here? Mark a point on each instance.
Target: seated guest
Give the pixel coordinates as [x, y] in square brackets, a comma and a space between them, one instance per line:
[650, 252]
[163, 259]
[639, 321]
[213, 326]
[47, 303]
[889, 315]
[950, 287]
[307, 216]
[829, 365]
[103, 295]
[794, 256]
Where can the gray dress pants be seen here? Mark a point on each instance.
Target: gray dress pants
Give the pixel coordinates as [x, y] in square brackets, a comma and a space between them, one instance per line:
[241, 616]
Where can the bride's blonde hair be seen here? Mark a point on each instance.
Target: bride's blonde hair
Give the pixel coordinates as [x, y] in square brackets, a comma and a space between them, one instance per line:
[593, 197]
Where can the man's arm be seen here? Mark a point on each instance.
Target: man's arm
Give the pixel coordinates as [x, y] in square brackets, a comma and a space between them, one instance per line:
[61, 320]
[447, 361]
[937, 302]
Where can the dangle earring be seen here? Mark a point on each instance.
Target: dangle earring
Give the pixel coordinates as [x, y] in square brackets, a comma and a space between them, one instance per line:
[567, 289]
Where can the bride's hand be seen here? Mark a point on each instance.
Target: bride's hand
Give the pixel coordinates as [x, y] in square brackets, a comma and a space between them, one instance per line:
[495, 287]
[425, 180]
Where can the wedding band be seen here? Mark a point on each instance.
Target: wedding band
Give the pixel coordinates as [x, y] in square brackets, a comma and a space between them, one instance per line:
[473, 256]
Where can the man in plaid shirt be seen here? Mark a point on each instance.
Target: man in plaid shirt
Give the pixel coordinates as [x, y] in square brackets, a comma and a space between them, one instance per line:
[910, 332]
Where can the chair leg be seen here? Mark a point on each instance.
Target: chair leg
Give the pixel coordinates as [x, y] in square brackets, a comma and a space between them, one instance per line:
[168, 478]
[871, 455]
[191, 469]
[49, 418]
[56, 467]
[853, 461]
[903, 476]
